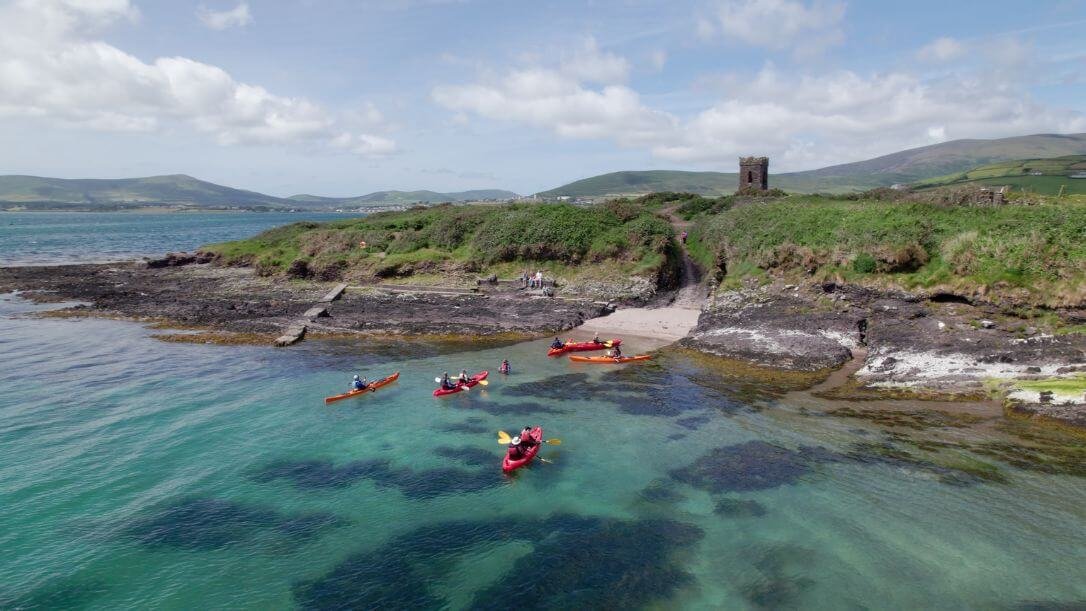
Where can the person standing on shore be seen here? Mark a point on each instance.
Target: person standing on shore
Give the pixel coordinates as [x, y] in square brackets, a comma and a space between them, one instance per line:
[539, 279]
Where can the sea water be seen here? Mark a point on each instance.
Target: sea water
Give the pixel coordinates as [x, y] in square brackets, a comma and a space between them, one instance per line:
[140, 474]
[41, 238]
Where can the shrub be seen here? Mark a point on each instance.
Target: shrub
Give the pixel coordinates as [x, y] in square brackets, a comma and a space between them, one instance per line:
[864, 264]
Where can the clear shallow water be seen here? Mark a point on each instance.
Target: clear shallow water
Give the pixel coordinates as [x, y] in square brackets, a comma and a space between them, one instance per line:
[40, 238]
[140, 474]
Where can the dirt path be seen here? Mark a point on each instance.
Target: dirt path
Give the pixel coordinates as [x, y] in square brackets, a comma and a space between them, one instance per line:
[692, 291]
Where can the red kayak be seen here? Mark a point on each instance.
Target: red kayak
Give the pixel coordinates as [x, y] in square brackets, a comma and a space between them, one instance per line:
[462, 385]
[512, 464]
[583, 347]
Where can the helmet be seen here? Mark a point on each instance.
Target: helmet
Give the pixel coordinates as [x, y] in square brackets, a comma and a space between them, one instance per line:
[356, 376]
[515, 440]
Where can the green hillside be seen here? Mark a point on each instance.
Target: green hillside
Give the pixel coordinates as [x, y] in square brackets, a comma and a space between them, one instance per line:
[908, 166]
[179, 190]
[1042, 176]
[407, 197]
[172, 190]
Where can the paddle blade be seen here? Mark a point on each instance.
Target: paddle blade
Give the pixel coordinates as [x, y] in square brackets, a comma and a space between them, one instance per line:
[553, 442]
[484, 382]
[504, 438]
[438, 380]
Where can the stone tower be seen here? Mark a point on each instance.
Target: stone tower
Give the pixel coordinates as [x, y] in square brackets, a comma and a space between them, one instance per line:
[753, 173]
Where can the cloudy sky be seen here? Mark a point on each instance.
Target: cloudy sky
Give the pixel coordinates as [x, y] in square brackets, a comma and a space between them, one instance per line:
[343, 97]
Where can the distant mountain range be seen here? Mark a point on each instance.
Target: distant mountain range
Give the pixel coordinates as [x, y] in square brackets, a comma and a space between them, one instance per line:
[178, 190]
[906, 167]
[946, 163]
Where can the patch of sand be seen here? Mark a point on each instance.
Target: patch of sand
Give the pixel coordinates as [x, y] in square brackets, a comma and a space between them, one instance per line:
[663, 325]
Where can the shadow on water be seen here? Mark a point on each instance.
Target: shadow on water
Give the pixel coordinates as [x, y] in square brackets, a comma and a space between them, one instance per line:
[208, 524]
[412, 483]
[576, 562]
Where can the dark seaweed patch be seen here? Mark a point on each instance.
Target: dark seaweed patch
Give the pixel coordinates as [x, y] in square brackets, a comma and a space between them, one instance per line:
[739, 508]
[473, 426]
[514, 409]
[676, 436]
[475, 457]
[59, 593]
[416, 484]
[693, 423]
[777, 584]
[577, 562]
[960, 473]
[660, 492]
[207, 524]
[754, 465]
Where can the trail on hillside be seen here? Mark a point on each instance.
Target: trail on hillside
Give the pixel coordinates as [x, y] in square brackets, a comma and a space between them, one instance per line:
[692, 291]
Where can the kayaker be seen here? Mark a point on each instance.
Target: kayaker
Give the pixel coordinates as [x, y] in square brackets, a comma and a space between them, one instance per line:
[446, 384]
[615, 352]
[358, 383]
[557, 343]
[596, 339]
[526, 440]
[505, 366]
[515, 450]
[463, 379]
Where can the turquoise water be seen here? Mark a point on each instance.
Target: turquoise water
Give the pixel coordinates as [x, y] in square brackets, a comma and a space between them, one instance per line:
[37, 238]
[140, 474]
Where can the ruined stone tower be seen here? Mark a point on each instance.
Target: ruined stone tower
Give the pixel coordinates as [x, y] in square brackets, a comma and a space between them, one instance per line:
[753, 173]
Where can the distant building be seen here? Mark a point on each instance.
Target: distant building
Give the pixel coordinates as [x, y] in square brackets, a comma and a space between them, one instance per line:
[753, 173]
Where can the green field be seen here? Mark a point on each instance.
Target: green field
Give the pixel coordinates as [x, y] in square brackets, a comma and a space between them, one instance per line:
[1055, 174]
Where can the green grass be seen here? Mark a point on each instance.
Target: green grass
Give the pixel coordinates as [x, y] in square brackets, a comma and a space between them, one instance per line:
[475, 238]
[1040, 249]
[1070, 386]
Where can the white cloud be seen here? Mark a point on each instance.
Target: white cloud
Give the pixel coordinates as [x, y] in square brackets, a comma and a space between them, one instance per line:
[237, 17]
[52, 66]
[801, 121]
[941, 50]
[803, 28]
[592, 65]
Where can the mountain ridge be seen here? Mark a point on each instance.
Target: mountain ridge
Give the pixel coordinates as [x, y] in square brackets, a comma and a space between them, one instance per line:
[907, 166]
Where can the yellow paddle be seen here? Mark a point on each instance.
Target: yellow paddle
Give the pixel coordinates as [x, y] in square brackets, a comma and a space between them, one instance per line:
[484, 382]
[505, 439]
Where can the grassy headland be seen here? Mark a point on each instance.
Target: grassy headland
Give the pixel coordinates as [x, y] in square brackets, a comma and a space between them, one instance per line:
[618, 239]
[1027, 254]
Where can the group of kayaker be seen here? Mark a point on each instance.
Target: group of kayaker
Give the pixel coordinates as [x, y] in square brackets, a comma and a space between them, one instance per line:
[448, 384]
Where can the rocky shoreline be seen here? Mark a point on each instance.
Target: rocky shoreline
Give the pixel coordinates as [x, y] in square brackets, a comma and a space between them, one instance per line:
[233, 301]
[933, 346]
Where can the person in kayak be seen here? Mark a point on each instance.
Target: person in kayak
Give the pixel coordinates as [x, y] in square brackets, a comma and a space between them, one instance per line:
[596, 339]
[446, 383]
[526, 441]
[358, 383]
[505, 366]
[463, 379]
[557, 343]
[519, 445]
[615, 352]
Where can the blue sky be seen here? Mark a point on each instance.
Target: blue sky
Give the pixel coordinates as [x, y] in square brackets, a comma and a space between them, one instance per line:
[337, 97]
